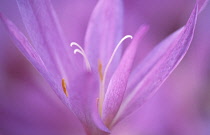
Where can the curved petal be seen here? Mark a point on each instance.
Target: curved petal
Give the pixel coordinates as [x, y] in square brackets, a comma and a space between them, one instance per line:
[158, 68]
[42, 26]
[23, 44]
[136, 75]
[118, 82]
[30, 53]
[83, 94]
[103, 33]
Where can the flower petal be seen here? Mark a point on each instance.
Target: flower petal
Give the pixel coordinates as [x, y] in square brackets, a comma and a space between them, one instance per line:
[23, 44]
[43, 29]
[136, 75]
[103, 33]
[157, 66]
[27, 108]
[30, 53]
[83, 103]
[118, 82]
[202, 4]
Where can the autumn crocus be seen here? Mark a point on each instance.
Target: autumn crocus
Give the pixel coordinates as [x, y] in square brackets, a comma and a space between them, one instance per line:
[96, 83]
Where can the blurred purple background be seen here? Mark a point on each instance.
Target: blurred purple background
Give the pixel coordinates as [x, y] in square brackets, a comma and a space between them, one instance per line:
[180, 107]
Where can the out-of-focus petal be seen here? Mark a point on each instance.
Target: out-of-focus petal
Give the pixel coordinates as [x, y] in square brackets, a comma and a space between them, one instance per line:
[30, 53]
[23, 44]
[83, 102]
[30, 109]
[202, 4]
[136, 75]
[43, 29]
[166, 60]
[118, 82]
[103, 33]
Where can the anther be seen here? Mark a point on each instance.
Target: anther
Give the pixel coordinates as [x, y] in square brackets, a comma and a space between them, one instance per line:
[100, 70]
[64, 88]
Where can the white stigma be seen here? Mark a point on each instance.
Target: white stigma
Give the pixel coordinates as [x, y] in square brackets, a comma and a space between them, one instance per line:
[82, 52]
[114, 52]
[102, 86]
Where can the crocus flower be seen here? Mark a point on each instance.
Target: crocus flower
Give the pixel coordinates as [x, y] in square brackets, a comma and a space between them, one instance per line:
[99, 86]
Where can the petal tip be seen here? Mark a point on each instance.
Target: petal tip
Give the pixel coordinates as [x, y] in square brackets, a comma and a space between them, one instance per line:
[145, 27]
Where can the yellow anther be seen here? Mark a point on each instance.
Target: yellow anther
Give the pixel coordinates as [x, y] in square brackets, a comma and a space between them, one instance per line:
[64, 87]
[100, 68]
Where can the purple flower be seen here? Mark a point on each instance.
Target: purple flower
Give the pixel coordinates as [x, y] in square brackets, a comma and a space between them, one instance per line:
[99, 86]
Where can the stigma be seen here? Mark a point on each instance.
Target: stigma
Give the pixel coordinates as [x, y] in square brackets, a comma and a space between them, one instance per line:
[81, 51]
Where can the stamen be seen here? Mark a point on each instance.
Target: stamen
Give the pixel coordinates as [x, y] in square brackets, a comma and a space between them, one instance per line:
[100, 70]
[64, 88]
[101, 96]
[102, 86]
[82, 52]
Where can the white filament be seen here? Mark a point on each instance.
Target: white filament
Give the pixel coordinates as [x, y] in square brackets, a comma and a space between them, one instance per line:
[82, 52]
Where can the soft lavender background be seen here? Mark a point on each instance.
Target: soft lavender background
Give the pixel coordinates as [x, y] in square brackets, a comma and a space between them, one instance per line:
[181, 106]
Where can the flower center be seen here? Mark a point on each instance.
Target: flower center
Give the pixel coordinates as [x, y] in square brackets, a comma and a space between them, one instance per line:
[102, 75]
[102, 83]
